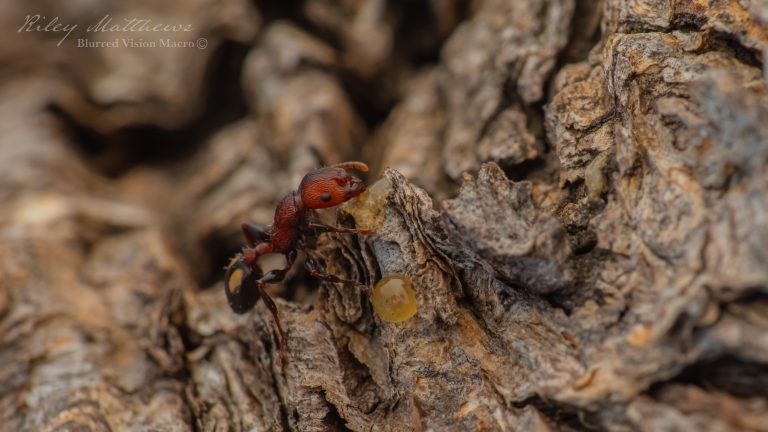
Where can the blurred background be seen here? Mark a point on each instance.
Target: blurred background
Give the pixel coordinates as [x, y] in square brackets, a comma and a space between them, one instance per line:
[592, 226]
[207, 111]
[208, 134]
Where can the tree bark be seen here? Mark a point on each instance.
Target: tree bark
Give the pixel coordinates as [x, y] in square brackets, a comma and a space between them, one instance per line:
[577, 190]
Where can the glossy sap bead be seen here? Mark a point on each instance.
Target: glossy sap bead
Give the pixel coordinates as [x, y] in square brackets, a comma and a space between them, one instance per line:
[369, 209]
[393, 298]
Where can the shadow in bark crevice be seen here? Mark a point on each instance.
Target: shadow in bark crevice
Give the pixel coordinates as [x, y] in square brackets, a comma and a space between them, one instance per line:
[144, 144]
[726, 373]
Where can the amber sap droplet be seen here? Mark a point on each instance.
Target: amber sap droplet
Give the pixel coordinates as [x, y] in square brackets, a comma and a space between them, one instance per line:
[594, 177]
[368, 209]
[393, 298]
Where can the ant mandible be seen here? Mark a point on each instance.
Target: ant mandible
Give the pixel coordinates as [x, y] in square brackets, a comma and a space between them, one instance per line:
[293, 225]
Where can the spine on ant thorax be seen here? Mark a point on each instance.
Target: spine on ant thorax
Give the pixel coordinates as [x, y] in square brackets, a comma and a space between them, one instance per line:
[289, 216]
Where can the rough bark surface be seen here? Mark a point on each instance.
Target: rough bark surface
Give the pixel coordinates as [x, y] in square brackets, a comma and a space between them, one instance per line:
[576, 188]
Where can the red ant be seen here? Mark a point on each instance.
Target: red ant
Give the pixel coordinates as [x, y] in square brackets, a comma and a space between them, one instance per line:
[292, 227]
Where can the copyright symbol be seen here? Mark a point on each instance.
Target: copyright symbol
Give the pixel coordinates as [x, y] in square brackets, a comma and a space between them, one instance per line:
[202, 43]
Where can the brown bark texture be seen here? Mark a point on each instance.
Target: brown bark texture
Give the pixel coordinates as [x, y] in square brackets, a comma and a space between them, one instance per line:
[578, 190]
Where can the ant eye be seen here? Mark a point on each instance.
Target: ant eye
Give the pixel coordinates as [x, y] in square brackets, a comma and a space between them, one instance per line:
[325, 197]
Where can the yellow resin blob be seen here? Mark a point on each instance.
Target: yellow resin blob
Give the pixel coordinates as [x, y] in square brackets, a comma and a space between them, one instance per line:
[368, 209]
[393, 298]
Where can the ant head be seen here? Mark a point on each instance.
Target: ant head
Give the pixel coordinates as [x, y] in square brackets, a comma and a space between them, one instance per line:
[331, 186]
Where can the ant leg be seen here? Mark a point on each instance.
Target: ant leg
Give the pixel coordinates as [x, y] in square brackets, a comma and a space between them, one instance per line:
[274, 276]
[276, 317]
[254, 234]
[331, 278]
[329, 228]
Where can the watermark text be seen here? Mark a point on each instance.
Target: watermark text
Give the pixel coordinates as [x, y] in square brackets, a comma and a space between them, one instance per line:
[108, 24]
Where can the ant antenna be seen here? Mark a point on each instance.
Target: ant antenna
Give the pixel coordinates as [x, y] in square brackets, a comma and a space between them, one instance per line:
[357, 166]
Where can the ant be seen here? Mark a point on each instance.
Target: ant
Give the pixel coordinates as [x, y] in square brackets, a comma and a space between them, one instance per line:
[293, 226]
